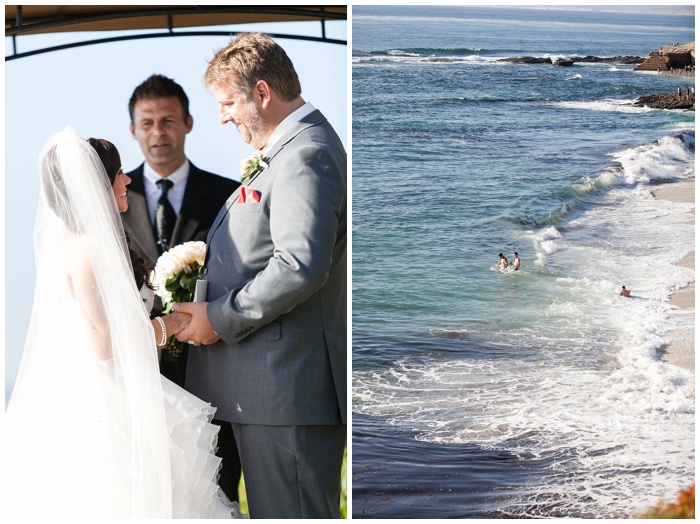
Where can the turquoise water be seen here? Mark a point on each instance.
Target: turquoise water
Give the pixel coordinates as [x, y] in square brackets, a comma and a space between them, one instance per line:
[531, 393]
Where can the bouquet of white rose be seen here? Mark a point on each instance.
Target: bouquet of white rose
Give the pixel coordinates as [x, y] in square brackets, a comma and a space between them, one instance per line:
[175, 277]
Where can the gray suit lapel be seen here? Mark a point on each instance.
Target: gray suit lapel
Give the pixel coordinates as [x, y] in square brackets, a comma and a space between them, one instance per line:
[312, 119]
[220, 217]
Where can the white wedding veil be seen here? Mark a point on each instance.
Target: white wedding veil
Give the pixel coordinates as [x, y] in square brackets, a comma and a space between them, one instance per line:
[85, 424]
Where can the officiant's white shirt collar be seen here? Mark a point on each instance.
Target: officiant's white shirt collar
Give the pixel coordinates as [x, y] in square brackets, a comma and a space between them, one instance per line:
[176, 193]
[287, 124]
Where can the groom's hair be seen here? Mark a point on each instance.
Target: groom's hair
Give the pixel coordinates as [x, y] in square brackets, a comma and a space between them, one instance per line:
[159, 86]
[249, 58]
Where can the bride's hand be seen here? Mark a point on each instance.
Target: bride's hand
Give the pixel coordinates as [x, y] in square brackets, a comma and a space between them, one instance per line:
[172, 324]
[176, 322]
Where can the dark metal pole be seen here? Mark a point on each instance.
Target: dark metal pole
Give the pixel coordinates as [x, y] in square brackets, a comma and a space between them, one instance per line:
[18, 23]
[323, 24]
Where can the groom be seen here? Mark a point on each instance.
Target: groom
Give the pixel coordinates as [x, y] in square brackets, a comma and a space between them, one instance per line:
[274, 329]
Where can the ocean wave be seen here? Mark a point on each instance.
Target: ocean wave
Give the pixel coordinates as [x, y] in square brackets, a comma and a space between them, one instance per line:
[609, 104]
[668, 158]
[399, 59]
[420, 52]
[545, 243]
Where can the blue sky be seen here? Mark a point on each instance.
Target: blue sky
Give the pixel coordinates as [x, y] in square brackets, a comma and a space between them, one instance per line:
[89, 88]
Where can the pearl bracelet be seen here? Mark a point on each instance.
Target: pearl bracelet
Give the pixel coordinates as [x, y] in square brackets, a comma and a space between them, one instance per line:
[164, 337]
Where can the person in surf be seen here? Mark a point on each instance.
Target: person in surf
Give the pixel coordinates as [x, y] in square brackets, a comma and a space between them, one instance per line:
[515, 264]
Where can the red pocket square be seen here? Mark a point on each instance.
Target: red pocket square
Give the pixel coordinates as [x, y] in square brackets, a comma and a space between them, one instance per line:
[248, 195]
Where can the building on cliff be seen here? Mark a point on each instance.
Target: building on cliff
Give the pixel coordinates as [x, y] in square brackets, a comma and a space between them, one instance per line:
[669, 56]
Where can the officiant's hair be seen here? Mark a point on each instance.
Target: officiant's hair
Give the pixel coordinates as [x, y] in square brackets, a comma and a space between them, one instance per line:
[159, 86]
[109, 155]
[249, 58]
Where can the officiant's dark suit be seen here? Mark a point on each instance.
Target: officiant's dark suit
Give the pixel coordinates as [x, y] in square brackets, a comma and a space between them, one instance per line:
[160, 120]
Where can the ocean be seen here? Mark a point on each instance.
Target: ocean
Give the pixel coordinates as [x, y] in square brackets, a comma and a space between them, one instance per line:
[482, 393]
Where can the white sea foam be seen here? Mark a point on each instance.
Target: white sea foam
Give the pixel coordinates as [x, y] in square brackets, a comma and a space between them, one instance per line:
[610, 104]
[399, 57]
[667, 158]
[544, 243]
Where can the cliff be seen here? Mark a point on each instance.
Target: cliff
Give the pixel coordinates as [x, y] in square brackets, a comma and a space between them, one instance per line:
[669, 56]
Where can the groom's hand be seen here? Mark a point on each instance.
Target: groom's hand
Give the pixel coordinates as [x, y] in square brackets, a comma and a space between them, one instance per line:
[199, 329]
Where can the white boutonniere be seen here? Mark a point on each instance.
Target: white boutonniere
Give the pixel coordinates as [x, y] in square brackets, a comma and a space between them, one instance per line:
[251, 165]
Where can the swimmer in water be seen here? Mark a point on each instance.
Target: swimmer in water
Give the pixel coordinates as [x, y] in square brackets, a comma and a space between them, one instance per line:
[515, 264]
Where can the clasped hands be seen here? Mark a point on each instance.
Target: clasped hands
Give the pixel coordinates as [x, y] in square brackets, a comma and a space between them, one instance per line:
[198, 329]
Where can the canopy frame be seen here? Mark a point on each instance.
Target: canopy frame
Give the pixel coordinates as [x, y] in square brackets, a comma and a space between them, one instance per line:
[26, 20]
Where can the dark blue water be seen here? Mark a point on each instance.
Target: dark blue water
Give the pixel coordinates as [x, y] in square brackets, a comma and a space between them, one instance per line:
[482, 393]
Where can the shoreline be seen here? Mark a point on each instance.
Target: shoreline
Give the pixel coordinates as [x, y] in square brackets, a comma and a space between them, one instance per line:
[681, 347]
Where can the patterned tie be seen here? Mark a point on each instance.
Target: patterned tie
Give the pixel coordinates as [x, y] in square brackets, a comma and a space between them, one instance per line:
[165, 216]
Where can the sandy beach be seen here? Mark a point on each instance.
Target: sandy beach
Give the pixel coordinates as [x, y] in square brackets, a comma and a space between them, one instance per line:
[681, 348]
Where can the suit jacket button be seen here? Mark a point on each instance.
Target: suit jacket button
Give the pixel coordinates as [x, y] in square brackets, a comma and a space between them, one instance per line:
[205, 271]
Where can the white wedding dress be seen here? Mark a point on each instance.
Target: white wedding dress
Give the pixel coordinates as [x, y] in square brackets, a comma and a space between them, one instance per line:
[92, 429]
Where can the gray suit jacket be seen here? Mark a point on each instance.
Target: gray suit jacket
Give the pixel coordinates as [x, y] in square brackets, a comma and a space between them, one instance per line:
[278, 290]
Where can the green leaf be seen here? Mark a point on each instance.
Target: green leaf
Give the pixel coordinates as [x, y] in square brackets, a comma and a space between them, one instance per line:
[173, 285]
[188, 282]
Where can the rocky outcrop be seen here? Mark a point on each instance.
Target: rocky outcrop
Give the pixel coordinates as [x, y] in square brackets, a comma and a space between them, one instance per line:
[630, 60]
[571, 61]
[527, 60]
[563, 63]
[666, 101]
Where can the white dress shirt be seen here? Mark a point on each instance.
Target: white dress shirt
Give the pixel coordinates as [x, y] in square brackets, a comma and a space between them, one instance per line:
[286, 124]
[176, 193]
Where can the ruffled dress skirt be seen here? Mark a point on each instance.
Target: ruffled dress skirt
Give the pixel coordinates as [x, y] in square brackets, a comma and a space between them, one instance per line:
[67, 453]
[193, 465]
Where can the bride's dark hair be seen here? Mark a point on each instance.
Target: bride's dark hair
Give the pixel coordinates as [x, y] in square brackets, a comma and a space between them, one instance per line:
[109, 155]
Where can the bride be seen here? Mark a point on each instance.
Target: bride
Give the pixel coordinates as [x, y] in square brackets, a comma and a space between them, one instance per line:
[92, 429]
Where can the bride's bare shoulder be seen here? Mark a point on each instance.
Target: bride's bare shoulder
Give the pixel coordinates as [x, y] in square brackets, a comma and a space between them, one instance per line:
[74, 248]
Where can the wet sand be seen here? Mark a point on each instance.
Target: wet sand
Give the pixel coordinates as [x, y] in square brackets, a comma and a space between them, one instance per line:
[681, 348]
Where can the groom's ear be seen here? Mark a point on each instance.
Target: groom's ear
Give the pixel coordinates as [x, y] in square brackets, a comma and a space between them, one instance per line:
[189, 123]
[262, 93]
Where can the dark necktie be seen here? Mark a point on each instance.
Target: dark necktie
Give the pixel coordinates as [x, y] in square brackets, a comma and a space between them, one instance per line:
[165, 216]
